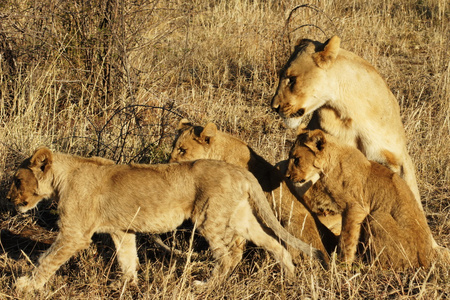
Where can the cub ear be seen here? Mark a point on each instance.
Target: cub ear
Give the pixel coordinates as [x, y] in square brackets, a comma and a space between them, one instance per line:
[325, 58]
[42, 160]
[301, 129]
[183, 124]
[316, 141]
[208, 133]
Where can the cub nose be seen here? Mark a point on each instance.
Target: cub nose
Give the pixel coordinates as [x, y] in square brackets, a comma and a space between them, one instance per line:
[8, 196]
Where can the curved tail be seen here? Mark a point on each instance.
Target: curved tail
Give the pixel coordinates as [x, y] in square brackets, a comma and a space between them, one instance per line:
[264, 211]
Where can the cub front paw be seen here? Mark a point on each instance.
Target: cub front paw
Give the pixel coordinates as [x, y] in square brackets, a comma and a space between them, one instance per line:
[25, 284]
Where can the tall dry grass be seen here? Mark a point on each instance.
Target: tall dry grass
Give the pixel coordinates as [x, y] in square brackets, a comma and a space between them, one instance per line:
[112, 78]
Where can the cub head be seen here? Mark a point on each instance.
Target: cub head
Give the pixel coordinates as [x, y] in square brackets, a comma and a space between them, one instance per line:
[306, 157]
[192, 142]
[303, 83]
[30, 182]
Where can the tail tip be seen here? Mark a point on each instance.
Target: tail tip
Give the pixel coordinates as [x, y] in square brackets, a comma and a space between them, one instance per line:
[319, 255]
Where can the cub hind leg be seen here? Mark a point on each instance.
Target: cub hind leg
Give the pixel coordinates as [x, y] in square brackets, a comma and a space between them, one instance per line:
[246, 224]
[227, 233]
[394, 245]
[227, 250]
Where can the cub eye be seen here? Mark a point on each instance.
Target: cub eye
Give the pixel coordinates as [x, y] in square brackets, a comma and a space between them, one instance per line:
[17, 182]
[182, 151]
[296, 161]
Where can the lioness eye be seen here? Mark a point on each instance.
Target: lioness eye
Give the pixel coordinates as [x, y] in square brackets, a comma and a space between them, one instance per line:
[296, 161]
[291, 80]
[182, 150]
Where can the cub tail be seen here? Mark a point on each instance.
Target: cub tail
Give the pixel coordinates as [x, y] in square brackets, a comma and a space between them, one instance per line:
[264, 212]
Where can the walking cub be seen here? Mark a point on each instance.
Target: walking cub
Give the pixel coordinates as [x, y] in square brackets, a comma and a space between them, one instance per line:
[224, 201]
[377, 206]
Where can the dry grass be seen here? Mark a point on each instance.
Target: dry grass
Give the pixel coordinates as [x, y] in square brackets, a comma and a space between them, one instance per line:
[113, 79]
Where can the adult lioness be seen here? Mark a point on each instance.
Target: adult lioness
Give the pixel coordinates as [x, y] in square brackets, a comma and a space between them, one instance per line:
[369, 196]
[349, 100]
[97, 196]
[196, 142]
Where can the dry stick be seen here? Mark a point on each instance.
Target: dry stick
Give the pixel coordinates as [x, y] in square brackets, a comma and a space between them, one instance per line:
[125, 132]
[313, 7]
[158, 241]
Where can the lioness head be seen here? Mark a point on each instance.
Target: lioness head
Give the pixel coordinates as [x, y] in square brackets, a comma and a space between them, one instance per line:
[193, 142]
[305, 157]
[30, 182]
[303, 85]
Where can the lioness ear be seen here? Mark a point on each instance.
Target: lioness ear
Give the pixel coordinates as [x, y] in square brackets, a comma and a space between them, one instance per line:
[316, 141]
[306, 45]
[42, 160]
[183, 124]
[302, 43]
[327, 56]
[208, 133]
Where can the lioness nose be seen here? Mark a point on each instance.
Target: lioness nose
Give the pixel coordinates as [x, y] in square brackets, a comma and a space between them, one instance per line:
[274, 104]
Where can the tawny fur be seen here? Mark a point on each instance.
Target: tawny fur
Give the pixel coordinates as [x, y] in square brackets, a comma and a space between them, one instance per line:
[377, 206]
[316, 199]
[196, 142]
[94, 195]
[349, 100]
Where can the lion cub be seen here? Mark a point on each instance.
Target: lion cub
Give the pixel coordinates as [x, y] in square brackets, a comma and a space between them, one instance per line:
[94, 195]
[196, 142]
[369, 196]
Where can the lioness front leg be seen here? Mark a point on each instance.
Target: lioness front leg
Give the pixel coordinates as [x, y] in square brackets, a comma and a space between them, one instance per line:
[352, 218]
[126, 254]
[60, 251]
